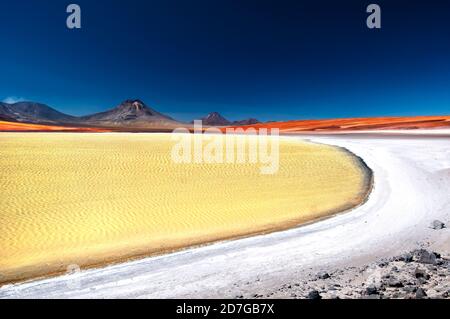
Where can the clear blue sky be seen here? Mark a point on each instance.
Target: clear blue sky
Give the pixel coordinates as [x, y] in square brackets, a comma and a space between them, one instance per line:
[273, 60]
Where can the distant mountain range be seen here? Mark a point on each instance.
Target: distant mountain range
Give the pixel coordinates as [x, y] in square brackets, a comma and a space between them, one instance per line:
[128, 114]
[6, 118]
[216, 119]
[30, 112]
[135, 116]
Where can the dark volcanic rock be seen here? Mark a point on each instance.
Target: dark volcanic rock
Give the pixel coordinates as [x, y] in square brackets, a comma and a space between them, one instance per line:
[371, 290]
[438, 256]
[424, 257]
[394, 282]
[411, 289]
[314, 295]
[407, 258]
[437, 225]
[421, 273]
[420, 293]
[421, 280]
[323, 275]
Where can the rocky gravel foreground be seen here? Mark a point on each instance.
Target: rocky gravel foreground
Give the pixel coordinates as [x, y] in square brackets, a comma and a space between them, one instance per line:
[419, 274]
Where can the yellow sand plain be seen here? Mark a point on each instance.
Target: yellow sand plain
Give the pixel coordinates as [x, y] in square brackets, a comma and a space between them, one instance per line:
[90, 199]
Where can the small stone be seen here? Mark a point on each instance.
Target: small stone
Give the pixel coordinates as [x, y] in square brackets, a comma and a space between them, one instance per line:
[424, 257]
[420, 273]
[410, 289]
[323, 275]
[408, 283]
[395, 283]
[437, 225]
[371, 290]
[420, 293]
[421, 280]
[314, 295]
[407, 258]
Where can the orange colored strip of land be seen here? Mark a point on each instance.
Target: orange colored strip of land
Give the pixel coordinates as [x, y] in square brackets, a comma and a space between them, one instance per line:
[25, 127]
[359, 124]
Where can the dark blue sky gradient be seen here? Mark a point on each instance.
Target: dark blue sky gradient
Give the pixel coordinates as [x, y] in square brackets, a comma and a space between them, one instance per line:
[274, 60]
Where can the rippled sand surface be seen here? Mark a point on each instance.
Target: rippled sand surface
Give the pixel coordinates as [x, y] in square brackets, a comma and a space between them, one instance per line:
[90, 199]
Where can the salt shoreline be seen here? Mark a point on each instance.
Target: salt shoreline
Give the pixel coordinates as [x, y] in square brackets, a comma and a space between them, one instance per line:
[411, 190]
